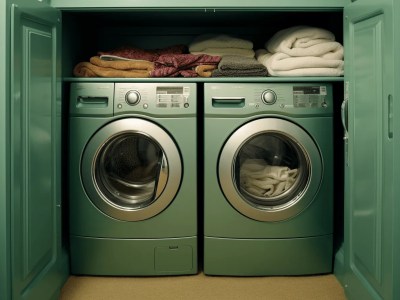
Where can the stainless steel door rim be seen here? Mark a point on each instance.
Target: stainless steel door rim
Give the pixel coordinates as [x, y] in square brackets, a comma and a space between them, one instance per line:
[124, 204]
[289, 203]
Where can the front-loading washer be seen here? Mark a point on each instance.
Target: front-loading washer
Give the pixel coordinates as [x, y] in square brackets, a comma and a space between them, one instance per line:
[268, 178]
[132, 178]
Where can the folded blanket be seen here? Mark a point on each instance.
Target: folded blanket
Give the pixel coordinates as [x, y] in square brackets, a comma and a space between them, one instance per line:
[123, 64]
[202, 42]
[121, 68]
[239, 66]
[281, 64]
[305, 41]
[226, 51]
[142, 54]
[172, 65]
[87, 69]
[262, 180]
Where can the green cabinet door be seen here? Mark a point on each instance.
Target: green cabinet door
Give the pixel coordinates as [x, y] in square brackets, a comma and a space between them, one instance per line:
[38, 263]
[396, 136]
[5, 290]
[369, 181]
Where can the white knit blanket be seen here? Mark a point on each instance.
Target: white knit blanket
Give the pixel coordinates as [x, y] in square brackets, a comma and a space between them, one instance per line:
[204, 41]
[305, 41]
[260, 179]
[282, 64]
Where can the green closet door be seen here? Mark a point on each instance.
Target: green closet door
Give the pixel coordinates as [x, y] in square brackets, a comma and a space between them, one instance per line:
[37, 265]
[369, 199]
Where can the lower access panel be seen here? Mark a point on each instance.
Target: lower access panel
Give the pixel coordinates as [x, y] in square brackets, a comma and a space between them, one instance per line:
[262, 257]
[133, 257]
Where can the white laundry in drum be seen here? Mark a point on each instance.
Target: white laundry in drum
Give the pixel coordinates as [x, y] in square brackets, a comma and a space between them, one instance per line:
[263, 180]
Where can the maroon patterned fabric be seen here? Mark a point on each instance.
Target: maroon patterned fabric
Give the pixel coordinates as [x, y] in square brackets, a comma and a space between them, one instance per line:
[149, 55]
[172, 65]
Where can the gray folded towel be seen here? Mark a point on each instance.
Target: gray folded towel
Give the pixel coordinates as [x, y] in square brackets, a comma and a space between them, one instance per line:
[239, 66]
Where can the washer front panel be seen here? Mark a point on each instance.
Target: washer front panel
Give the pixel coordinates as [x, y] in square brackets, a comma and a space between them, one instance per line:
[270, 169]
[131, 169]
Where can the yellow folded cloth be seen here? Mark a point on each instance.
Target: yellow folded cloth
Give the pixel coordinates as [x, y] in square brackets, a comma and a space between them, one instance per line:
[205, 70]
[118, 68]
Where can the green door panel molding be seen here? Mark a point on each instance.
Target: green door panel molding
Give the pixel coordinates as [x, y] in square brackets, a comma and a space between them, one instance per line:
[39, 267]
[369, 222]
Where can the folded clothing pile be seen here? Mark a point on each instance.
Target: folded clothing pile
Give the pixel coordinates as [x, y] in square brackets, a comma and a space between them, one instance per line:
[302, 51]
[221, 45]
[130, 62]
[129, 52]
[239, 66]
[186, 65]
[98, 67]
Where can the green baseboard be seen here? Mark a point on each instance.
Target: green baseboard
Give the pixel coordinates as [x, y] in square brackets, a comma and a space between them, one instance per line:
[264, 257]
[133, 257]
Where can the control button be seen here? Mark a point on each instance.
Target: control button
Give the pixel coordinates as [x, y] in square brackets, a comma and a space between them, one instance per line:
[132, 97]
[268, 97]
[186, 105]
[145, 106]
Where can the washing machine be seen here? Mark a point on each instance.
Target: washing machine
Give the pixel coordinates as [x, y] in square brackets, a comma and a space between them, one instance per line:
[268, 178]
[132, 178]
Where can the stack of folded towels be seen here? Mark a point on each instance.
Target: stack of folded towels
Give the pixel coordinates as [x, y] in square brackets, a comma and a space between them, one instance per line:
[302, 51]
[238, 56]
[221, 45]
[131, 62]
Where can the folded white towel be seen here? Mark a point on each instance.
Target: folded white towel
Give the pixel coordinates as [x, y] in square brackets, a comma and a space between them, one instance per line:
[281, 64]
[205, 41]
[263, 180]
[227, 51]
[305, 41]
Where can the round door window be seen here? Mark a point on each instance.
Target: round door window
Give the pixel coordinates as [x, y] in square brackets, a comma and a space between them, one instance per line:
[128, 170]
[270, 169]
[131, 169]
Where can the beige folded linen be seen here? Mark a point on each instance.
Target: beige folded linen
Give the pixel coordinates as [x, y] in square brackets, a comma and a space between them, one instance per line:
[204, 41]
[226, 51]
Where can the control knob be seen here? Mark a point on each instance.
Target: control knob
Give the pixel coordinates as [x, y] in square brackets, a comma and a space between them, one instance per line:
[132, 97]
[268, 97]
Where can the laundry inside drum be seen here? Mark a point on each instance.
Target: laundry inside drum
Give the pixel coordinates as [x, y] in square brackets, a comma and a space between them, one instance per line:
[272, 169]
[129, 168]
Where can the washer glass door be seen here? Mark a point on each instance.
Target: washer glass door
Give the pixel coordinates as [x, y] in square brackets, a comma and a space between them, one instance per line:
[270, 169]
[131, 169]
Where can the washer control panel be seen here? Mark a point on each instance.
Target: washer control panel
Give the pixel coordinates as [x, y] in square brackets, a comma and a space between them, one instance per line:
[155, 98]
[308, 98]
[172, 96]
